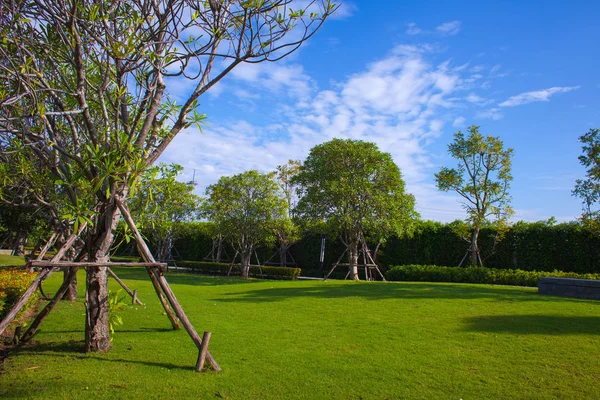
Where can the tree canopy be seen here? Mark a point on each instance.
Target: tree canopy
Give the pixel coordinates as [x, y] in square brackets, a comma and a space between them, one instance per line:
[86, 89]
[159, 202]
[588, 189]
[356, 189]
[482, 178]
[245, 208]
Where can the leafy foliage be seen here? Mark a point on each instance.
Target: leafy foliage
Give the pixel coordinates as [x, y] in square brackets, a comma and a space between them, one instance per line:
[13, 284]
[116, 302]
[354, 188]
[244, 207]
[482, 178]
[588, 189]
[160, 202]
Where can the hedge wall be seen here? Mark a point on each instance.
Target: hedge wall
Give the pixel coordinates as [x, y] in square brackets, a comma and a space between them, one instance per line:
[212, 268]
[513, 277]
[537, 246]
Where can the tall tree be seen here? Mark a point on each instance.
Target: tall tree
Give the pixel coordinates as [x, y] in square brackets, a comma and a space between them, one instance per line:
[160, 202]
[482, 178]
[588, 189]
[286, 230]
[356, 189]
[85, 88]
[245, 207]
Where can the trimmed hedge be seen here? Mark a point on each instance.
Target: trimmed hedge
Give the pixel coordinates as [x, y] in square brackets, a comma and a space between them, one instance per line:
[493, 276]
[13, 283]
[540, 246]
[211, 268]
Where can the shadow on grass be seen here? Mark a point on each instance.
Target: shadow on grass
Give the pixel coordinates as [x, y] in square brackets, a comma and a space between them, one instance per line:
[148, 363]
[381, 290]
[182, 278]
[76, 349]
[535, 324]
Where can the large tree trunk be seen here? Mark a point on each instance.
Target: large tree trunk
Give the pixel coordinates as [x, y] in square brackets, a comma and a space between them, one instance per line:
[353, 260]
[246, 256]
[19, 245]
[475, 247]
[71, 293]
[97, 334]
[219, 248]
[283, 248]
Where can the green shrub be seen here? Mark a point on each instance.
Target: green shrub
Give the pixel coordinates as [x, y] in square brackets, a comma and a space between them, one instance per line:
[212, 268]
[513, 277]
[13, 283]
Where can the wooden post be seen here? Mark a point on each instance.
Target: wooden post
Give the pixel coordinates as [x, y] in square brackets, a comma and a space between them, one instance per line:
[336, 264]
[50, 306]
[183, 318]
[124, 286]
[134, 298]
[148, 257]
[203, 352]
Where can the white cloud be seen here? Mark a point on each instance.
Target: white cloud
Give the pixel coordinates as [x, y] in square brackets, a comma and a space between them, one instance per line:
[492, 113]
[401, 102]
[538, 95]
[449, 28]
[413, 29]
[476, 99]
[459, 122]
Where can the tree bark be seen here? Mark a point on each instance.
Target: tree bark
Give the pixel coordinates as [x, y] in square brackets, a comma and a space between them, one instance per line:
[71, 292]
[97, 333]
[283, 254]
[219, 248]
[19, 245]
[475, 247]
[353, 260]
[246, 256]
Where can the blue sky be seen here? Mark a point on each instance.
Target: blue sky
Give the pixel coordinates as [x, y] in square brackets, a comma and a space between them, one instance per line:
[407, 75]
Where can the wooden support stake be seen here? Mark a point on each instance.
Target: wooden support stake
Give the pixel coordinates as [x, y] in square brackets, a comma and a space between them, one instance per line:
[50, 306]
[124, 286]
[184, 319]
[148, 257]
[203, 352]
[336, 264]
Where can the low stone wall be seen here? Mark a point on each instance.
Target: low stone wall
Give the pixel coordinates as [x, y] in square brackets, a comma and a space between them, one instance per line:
[568, 287]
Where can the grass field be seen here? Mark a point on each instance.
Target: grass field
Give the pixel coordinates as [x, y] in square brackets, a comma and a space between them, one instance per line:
[11, 260]
[330, 340]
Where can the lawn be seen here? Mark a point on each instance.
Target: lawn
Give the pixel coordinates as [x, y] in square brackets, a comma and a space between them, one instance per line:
[6, 259]
[313, 339]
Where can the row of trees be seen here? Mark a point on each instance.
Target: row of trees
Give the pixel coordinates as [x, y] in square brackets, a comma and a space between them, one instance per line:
[85, 99]
[348, 187]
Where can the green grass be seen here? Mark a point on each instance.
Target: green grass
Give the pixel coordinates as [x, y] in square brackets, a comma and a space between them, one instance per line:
[313, 339]
[11, 260]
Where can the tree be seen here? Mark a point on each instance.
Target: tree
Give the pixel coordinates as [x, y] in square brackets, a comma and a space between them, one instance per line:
[160, 202]
[86, 89]
[588, 189]
[356, 189]
[286, 230]
[482, 178]
[244, 207]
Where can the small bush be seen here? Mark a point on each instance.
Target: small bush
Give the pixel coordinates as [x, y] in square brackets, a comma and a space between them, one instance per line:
[212, 268]
[13, 284]
[513, 277]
